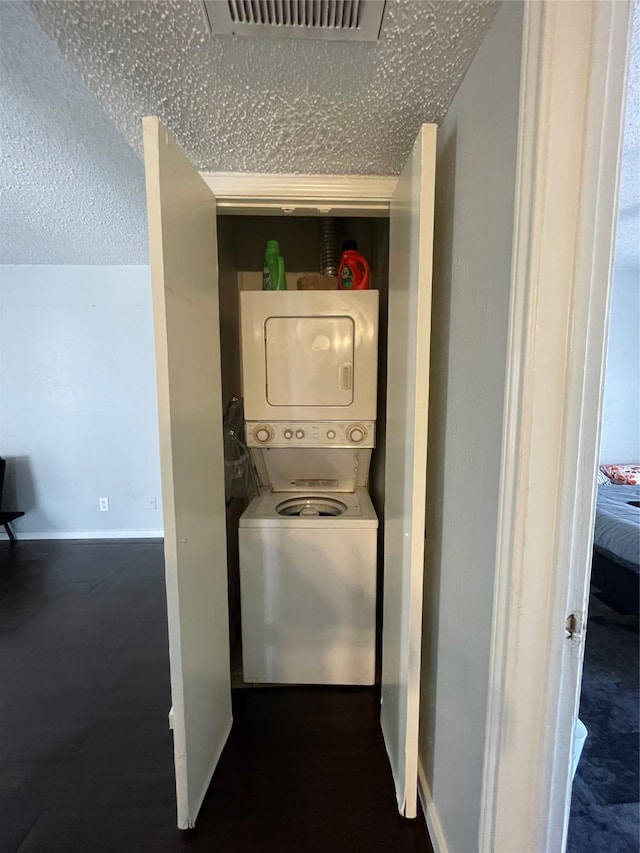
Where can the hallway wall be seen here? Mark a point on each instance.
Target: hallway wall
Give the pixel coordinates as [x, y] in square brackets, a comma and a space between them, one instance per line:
[78, 417]
[475, 184]
[620, 440]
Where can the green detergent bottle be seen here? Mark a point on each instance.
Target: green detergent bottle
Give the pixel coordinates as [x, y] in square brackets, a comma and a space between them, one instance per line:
[273, 277]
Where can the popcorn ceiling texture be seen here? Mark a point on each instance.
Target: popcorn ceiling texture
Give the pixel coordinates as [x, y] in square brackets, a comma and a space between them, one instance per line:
[72, 189]
[238, 104]
[76, 77]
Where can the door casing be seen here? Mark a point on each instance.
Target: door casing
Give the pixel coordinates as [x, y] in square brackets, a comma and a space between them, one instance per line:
[571, 99]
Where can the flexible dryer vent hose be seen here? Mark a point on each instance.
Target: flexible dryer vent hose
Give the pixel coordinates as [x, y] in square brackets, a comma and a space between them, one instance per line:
[329, 250]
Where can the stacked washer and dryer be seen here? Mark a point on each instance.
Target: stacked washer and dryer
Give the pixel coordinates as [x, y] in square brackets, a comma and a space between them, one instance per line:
[308, 541]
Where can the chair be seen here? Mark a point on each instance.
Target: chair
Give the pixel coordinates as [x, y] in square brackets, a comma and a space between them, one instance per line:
[7, 516]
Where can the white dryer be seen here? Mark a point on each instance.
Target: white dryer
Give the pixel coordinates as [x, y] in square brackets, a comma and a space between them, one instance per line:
[309, 355]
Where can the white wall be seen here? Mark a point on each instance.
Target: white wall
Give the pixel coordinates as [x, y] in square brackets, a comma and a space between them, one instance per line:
[620, 438]
[77, 399]
[475, 183]
[620, 441]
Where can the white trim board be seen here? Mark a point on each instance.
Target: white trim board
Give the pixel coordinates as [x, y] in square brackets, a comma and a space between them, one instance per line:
[306, 195]
[572, 92]
[434, 827]
[83, 534]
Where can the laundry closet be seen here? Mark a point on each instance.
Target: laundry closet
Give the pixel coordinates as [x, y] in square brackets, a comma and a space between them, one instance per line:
[307, 552]
[329, 544]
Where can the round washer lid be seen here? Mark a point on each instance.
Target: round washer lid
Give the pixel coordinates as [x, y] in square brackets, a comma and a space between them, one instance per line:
[311, 506]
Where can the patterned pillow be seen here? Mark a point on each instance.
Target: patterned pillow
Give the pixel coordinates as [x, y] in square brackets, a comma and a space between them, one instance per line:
[622, 475]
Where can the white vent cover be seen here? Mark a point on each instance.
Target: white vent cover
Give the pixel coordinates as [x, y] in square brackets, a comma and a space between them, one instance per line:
[336, 20]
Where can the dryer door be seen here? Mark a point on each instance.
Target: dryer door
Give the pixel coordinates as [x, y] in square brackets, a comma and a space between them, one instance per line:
[309, 361]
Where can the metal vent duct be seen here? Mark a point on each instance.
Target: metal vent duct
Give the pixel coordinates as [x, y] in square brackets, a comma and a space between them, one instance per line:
[335, 20]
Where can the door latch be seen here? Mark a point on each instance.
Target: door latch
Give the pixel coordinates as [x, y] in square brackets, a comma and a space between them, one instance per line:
[573, 626]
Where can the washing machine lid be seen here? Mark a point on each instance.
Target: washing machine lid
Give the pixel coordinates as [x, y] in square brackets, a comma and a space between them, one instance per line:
[265, 510]
[312, 469]
[311, 506]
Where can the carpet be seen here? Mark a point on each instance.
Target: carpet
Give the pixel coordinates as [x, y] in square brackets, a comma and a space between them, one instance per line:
[605, 808]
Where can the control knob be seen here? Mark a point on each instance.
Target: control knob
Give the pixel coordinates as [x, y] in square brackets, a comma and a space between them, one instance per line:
[299, 433]
[263, 433]
[288, 433]
[356, 433]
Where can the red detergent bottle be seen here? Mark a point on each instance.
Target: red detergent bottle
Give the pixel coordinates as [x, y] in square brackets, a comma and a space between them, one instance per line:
[354, 272]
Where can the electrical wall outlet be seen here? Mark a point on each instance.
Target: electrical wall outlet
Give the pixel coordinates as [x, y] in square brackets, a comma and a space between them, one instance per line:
[152, 503]
[103, 503]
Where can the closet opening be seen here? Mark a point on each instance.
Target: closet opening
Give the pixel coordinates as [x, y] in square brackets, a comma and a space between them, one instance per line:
[241, 251]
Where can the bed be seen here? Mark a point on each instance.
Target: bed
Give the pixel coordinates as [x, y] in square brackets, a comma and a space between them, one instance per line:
[616, 552]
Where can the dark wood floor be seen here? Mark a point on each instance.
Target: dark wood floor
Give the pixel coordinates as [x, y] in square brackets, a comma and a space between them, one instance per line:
[86, 760]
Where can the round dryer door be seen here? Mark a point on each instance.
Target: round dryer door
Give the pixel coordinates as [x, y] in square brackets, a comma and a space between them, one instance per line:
[310, 507]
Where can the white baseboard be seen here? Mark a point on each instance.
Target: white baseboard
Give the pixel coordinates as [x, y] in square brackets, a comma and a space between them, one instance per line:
[85, 534]
[434, 827]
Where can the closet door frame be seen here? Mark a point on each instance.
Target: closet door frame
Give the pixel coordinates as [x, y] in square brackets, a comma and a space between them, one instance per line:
[249, 194]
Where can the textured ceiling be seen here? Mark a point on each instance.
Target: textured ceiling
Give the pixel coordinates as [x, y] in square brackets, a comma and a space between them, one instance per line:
[72, 189]
[627, 251]
[73, 89]
[271, 105]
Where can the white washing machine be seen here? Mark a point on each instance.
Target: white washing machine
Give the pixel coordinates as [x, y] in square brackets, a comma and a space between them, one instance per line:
[308, 587]
[308, 542]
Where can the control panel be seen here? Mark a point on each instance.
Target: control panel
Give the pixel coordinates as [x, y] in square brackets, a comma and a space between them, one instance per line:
[311, 434]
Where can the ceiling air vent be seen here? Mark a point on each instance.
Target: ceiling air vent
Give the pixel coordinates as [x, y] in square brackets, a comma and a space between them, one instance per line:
[335, 20]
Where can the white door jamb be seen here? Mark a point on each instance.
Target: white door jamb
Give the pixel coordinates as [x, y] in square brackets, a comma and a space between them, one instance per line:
[301, 195]
[572, 93]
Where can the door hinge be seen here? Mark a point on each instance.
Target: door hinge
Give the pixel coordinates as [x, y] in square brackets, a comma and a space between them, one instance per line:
[573, 626]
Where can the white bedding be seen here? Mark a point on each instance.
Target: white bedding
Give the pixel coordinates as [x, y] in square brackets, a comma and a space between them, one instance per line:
[617, 527]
